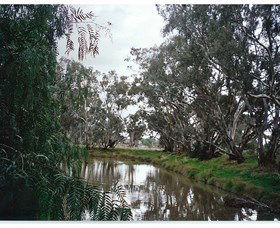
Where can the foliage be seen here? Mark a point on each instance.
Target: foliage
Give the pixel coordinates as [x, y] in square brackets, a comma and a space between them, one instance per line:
[149, 142]
[214, 81]
[88, 36]
[32, 145]
[91, 104]
[79, 199]
[135, 128]
[240, 45]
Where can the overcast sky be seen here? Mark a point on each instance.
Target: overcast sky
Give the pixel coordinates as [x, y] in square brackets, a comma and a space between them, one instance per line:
[132, 26]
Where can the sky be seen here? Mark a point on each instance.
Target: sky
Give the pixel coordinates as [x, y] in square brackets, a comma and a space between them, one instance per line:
[136, 26]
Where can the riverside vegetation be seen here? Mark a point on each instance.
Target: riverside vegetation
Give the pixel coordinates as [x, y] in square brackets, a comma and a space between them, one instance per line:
[244, 179]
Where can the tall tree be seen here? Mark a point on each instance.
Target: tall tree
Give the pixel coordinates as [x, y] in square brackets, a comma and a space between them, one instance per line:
[32, 145]
[239, 43]
[135, 128]
[92, 104]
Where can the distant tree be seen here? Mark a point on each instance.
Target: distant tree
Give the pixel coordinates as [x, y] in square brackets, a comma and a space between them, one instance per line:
[135, 128]
[108, 124]
[92, 104]
[149, 142]
[76, 90]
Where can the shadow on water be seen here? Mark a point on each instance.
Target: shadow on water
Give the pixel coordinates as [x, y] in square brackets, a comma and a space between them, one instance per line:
[156, 194]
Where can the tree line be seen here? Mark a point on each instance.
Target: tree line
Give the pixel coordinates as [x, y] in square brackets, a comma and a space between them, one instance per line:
[93, 105]
[213, 86]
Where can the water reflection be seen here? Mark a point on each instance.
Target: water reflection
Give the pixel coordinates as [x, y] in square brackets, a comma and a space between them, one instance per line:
[155, 194]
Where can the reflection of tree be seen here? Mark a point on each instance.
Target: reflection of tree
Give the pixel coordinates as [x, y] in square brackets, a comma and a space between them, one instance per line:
[97, 172]
[165, 196]
[130, 172]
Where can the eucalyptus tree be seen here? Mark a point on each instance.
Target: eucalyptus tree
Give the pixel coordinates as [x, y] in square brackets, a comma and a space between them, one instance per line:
[76, 92]
[151, 142]
[135, 127]
[109, 125]
[171, 93]
[241, 43]
[261, 29]
[221, 36]
[32, 145]
[92, 104]
[221, 71]
[162, 91]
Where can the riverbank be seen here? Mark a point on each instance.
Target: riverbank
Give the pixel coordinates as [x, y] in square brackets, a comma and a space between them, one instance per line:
[246, 178]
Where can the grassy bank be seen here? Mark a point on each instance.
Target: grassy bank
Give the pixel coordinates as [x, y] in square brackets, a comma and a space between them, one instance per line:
[243, 178]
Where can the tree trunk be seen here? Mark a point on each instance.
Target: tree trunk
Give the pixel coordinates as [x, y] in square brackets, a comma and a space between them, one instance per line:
[131, 139]
[237, 115]
[261, 155]
[274, 142]
[239, 158]
[236, 152]
[262, 118]
[169, 147]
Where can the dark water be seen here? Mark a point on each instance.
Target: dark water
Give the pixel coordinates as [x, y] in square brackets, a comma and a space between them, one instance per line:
[156, 194]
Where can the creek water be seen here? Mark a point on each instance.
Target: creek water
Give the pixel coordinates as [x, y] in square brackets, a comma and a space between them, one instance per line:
[156, 194]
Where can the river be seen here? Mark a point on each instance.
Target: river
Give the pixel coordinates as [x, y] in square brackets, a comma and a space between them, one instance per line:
[156, 194]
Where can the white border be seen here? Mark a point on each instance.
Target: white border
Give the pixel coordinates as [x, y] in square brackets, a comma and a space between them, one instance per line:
[137, 2]
[162, 224]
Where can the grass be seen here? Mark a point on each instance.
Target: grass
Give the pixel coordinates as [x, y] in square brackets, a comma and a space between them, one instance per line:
[245, 178]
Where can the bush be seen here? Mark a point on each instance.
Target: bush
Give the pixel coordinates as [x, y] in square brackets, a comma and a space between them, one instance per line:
[202, 151]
